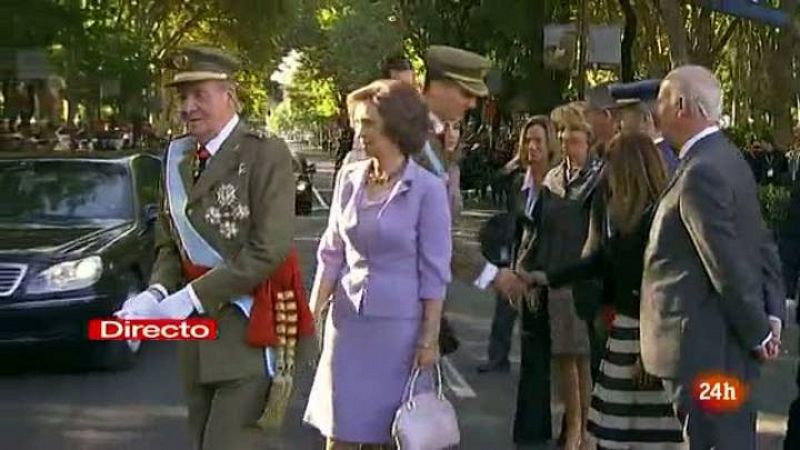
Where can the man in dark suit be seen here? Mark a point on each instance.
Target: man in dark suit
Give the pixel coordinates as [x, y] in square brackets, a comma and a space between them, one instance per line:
[790, 256]
[703, 289]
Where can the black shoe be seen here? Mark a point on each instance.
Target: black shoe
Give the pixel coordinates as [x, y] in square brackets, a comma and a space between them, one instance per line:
[495, 366]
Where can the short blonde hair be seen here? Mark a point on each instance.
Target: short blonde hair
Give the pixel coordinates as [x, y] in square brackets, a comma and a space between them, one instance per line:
[572, 116]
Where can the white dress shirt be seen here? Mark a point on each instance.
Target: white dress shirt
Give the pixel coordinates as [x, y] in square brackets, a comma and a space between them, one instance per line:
[708, 131]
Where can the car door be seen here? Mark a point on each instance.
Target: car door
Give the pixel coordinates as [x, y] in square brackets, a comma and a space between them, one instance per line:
[147, 177]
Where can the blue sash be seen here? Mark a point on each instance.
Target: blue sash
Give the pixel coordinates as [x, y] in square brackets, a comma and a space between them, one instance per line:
[196, 248]
[438, 167]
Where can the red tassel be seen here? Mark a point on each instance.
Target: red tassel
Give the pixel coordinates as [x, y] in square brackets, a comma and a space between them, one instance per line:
[261, 326]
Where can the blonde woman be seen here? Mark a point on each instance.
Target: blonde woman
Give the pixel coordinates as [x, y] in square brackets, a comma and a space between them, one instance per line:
[562, 223]
[629, 409]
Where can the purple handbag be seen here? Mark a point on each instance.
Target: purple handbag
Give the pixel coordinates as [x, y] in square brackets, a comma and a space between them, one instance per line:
[425, 421]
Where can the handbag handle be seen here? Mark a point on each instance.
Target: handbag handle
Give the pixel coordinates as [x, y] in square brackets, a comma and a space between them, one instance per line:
[408, 397]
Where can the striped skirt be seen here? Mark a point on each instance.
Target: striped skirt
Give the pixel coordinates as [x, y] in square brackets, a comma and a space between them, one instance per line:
[623, 416]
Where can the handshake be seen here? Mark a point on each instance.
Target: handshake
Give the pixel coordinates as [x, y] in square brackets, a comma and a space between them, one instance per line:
[152, 304]
[518, 285]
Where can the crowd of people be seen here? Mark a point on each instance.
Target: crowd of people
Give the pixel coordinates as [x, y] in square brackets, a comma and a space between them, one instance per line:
[632, 249]
[101, 135]
[625, 222]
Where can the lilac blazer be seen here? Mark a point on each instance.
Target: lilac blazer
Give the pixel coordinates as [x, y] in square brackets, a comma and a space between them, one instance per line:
[409, 251]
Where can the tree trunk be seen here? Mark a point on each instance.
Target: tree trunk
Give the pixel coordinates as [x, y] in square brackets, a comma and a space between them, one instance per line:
[676, 30]
[783, 88]
[703, 51]
[628, 40]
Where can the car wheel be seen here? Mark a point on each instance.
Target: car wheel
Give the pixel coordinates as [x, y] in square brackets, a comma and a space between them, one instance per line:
[117, 355]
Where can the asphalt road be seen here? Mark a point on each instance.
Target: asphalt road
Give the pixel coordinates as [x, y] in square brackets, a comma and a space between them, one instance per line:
[45, 404]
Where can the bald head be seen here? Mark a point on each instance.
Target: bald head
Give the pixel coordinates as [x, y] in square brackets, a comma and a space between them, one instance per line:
[700, 89]
[690, 99]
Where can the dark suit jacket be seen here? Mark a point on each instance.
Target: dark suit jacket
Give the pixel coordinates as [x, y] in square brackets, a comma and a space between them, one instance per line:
[565, 222]
[702, 287]
[618, 262]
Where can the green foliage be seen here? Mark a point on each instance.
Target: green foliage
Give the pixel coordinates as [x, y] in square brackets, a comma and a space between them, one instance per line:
[342, 44]
[344, 41]
[743, 136]
[126, 40]
[774, 202]
[309, 101]
[509, 32]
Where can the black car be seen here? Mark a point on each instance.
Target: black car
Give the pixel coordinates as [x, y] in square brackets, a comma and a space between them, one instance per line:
[76, 240]
[304, 187]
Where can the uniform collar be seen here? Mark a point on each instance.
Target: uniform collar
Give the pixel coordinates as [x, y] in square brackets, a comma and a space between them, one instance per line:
[708, 131]
[214, 144]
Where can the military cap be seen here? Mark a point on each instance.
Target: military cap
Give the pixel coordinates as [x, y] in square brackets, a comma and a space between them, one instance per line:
[465, 68]
[600, 98]
[199, 63]
[496, 238]
[644, 90]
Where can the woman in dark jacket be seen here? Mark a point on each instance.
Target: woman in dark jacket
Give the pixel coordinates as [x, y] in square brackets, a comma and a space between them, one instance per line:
[628, 407]
[536, 154]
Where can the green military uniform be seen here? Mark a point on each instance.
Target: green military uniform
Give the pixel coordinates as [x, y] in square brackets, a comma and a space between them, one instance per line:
[467, 70]
[243, 206]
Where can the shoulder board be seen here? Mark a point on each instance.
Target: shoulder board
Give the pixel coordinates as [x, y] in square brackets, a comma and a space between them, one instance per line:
[258, 134]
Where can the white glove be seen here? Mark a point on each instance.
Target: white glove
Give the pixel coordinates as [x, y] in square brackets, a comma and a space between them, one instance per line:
[143, 306]
[178, 305]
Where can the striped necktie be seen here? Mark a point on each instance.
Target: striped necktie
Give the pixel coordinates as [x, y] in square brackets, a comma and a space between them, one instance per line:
[201, 157]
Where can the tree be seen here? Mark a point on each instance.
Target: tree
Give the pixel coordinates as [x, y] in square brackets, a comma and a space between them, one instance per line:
[628, 40]
[509, 32]
[94, 41]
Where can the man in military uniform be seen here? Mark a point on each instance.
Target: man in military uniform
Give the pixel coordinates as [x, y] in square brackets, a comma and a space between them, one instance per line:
[601, 114]
[227, 224]
[453, 84]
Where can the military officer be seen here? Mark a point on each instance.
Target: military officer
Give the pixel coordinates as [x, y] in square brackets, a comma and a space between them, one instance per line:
[453, 84]
[226, 226]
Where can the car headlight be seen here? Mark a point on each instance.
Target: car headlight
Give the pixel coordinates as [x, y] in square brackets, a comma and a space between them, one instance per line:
[302, 186]
[67, 276]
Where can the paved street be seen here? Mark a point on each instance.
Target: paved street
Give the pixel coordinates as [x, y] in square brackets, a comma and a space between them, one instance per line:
[45, 405]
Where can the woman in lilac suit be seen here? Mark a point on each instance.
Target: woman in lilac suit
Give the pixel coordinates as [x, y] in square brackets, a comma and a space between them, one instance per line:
[384, 265]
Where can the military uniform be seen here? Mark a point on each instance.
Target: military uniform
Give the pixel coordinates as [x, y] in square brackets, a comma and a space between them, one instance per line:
[242, 206]
[468, 70]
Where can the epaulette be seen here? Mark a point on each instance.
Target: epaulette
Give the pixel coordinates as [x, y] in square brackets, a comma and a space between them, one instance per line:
[259, 134]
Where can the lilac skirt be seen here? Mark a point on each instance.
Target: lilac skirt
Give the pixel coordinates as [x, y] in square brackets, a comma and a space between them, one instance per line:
[361, 376]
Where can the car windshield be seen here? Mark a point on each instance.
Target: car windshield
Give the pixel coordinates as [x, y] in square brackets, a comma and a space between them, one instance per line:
[64, 193]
